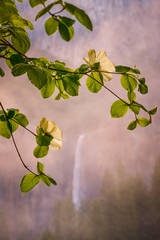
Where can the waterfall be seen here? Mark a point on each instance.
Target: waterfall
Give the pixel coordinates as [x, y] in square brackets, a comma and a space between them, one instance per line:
[76, 191]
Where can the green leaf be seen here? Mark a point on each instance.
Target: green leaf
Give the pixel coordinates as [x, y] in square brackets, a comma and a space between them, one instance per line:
[45, 179]
[58, 97]
[48, 89]
[83, 68]
[95, 66]
[2, 117]
[142, 88]
[7, 11]
[132, 125]
[118, 109]
[11, 113]
[92, 85]
[141, 106]
[40, 131]
[66, 32]
[125, 69]
[64, 96]
[44, 10]
[16, 58]
[40, 151]
[28, 24]
[70, 8]
[71, 85]
[122, 69]
[59, 84]
[40, 167]
[135, 108]
[43, 140]
[2, 73]
[29, 181]
[153, 111]
[4, 129]
[68, 21]
[60, 68]
[21, 119]
[34, 3]
[20, 69]
[13, 125]
[142, 80]
[52, 180]
[143, 122]
[131, 96]
[51, 26]
[80, 15]
[83, 18]
[128, 82]
[21, 41]
[37, 76]
[135, 70]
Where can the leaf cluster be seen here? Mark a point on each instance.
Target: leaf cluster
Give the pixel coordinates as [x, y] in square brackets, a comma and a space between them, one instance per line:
[59, 22]
[30, 180]
[10, 121]
[130, 80]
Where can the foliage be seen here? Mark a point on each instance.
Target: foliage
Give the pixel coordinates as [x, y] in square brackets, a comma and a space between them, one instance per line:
[30, 180]
[48, 75]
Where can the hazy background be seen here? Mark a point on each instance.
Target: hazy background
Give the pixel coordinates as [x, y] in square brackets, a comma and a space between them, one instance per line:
[129, 32]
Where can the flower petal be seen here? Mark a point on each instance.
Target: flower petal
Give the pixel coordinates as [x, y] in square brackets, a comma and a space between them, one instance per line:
[51, 126]
[107, 76]
[86, 60]
[92, 56]
[101, 54]
[56, 144]
[56, 133]
[44, 124]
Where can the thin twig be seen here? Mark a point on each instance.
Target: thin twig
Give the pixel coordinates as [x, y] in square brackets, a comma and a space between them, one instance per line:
[59, 11]
[24, 127]
[6, 43]
[86, 73]
[66, 71]
[103, 71]
[3, 56]
[14, 142]
[108, 89]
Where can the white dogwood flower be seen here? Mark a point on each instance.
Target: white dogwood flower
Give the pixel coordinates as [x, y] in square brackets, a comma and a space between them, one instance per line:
[105, 63]
[52, 129]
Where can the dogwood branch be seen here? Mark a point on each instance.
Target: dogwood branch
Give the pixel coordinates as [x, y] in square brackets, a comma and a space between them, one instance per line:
[14, 142]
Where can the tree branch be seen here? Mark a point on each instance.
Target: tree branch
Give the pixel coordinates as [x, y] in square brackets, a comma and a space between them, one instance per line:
[14, 142]
[108, 89]
[24, 127]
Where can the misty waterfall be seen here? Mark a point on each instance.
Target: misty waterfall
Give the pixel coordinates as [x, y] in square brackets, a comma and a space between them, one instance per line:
[76, 189]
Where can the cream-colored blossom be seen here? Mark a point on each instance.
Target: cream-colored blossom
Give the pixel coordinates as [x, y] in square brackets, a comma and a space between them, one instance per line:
[52, 129]
[105, 63]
